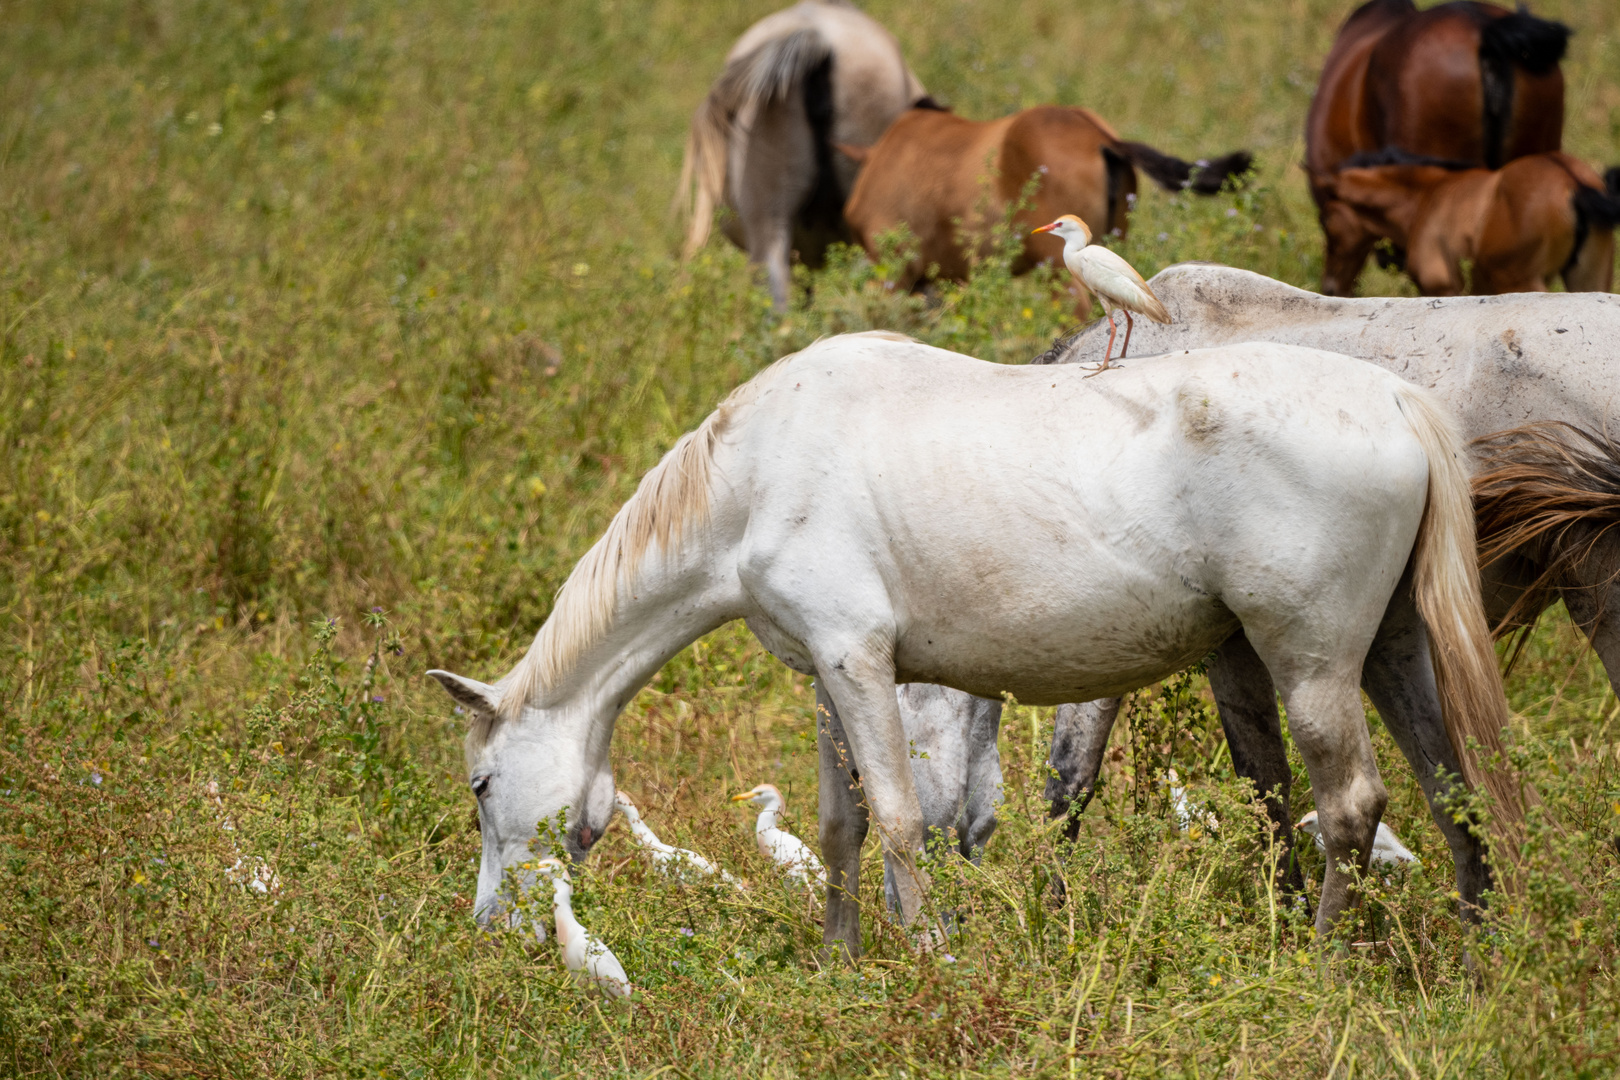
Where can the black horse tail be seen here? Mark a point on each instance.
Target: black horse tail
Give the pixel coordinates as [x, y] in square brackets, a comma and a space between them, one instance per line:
[1121, 189]
[1206, 177]
[1594, 209]
[1519, 40]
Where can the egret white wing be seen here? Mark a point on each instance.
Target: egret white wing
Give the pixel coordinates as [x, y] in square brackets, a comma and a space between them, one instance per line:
[789, 851]
[1387, 847]
[1105, 273]
[603, 969]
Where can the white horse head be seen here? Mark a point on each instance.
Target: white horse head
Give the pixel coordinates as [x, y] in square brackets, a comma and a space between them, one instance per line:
[539, 787]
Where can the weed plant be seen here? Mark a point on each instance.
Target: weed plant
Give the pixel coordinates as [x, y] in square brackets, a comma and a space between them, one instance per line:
[331, 335]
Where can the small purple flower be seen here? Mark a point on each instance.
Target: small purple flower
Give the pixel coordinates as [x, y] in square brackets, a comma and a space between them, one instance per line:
[95, 778]
[376, 611]
[377, 698]
[686, 931]
[152, 941]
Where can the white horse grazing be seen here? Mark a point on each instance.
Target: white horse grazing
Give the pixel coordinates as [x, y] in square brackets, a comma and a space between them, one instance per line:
[761, 143]
[880, 511]
[1498, 362]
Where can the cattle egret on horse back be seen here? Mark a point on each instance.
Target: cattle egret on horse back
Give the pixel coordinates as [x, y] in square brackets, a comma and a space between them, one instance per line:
[1115, 281]
[667, 857]
[593, 963]
[1387, 847]
[777, 844]
[832, 503]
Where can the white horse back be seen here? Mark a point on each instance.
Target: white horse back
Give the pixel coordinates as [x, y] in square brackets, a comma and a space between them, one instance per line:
[1496, 361]
[1112, 529]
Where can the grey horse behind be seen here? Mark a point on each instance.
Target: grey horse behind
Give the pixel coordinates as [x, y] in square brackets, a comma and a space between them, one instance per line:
[1542, 367]
[955, 765]
[761, 144]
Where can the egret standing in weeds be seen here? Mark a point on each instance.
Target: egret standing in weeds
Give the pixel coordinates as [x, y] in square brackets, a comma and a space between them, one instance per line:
[667, 857]
[779, 845]
[592, 962]
[1387, 847]
[1115, 281]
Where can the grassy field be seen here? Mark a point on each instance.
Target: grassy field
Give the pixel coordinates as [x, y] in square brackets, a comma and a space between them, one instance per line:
[334, 333]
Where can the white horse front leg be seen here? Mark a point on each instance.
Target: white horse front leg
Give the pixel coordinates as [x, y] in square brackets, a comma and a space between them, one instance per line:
[860, 680]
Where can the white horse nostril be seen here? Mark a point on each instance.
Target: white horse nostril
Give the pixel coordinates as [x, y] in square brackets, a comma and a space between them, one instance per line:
[586, 836]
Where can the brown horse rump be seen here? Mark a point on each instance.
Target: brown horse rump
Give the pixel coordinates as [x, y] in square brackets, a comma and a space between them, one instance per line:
[941, 175]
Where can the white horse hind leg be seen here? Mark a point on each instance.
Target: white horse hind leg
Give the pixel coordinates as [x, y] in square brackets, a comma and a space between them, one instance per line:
[1327, 723]
[843, 831]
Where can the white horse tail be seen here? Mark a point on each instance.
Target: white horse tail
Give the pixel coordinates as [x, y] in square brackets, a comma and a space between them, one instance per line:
[758, 78]
[1447, 591]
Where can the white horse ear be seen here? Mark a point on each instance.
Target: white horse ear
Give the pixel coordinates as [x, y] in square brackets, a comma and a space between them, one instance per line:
[474, 695]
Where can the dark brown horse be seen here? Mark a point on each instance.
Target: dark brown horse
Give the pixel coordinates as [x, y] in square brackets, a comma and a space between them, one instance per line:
[1471, 82]
[943, 175]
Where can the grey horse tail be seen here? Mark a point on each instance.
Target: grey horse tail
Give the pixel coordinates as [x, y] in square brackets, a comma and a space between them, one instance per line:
[1554, 488]
[768, 74]
[1519, 40]
[1206, 177]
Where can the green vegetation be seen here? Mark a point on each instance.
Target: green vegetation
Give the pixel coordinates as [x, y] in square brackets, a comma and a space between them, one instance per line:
[332, 334]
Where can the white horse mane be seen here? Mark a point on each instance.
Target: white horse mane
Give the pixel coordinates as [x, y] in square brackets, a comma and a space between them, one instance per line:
[673, 496]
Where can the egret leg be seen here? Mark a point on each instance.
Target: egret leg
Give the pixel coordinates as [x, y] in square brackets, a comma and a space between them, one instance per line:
[1112, 329]
[1127, 346]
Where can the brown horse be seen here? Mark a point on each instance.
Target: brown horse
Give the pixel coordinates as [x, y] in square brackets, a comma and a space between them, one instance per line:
[1466, 81]
[1535, 218]
[942, 175]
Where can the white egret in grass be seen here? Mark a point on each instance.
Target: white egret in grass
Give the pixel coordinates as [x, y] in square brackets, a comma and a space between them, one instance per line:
[1115, 281]
[1189, 814]
[592, 962]
[667, 857]
[777, 844]
[1387, 847]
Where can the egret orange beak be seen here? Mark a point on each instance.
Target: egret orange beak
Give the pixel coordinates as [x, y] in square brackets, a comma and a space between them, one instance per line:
[744, 797]
[1044, 228]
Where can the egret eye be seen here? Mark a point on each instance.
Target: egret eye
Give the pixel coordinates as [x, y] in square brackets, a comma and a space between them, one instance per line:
[480, 786]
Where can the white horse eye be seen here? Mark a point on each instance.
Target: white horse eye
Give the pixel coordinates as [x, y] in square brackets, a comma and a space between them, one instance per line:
[480, 786]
